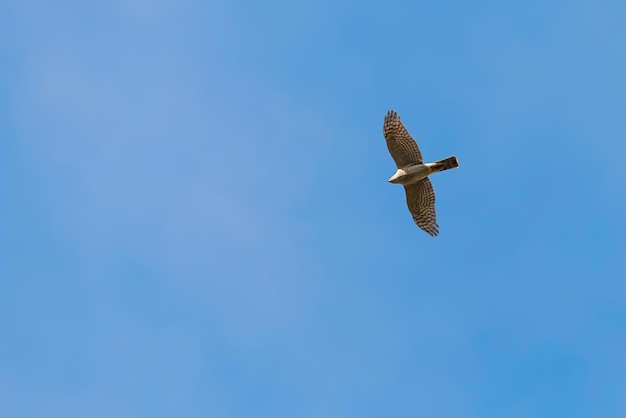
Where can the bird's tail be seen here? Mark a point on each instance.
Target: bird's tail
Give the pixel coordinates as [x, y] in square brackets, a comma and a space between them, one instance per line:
[446, 164]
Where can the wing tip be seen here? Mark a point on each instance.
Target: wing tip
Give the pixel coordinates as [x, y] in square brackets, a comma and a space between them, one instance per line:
[392, 119]
[391, 115]
[431, 228]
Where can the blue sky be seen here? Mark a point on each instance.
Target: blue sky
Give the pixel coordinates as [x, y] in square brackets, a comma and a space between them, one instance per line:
[196, 220]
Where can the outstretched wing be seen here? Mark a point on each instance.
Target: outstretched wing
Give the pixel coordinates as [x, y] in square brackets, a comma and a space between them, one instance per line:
[420, 198]
[401, 145]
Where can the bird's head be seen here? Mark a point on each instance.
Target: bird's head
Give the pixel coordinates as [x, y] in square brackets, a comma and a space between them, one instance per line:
[395, 179]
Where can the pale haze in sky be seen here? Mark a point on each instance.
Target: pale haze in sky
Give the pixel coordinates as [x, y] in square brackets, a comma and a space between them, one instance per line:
[195, 218]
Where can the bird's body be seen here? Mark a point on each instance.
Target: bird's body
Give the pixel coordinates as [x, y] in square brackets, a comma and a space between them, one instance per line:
[413, 173]
[410, 174]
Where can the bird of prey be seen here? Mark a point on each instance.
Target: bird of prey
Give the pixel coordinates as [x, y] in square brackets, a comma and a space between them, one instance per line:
[413, 173]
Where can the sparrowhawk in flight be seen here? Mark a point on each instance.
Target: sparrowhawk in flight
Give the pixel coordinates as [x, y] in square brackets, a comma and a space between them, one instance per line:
[413, 173]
